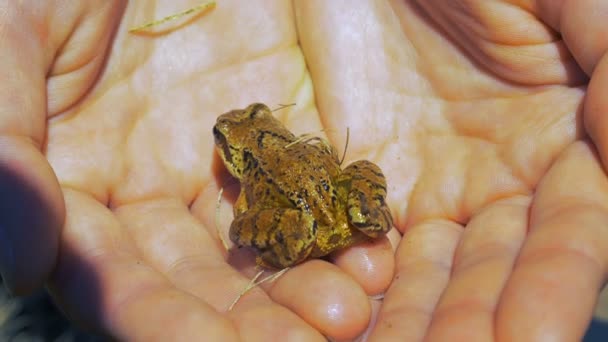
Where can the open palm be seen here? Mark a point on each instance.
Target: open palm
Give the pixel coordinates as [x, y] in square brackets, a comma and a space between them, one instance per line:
[474, 123]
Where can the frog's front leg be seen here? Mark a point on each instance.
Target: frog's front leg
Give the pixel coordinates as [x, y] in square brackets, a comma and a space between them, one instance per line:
[365, 205]
[282, 236]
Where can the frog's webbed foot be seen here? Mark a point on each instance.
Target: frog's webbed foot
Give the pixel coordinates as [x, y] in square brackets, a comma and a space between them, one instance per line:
[365, 205]
[282, 236]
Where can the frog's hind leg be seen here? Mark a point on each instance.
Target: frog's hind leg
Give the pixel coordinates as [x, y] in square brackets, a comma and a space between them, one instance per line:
[282, 236]
[365, 205]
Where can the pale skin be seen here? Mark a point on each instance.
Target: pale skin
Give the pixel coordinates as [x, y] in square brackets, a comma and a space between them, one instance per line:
[474, 112]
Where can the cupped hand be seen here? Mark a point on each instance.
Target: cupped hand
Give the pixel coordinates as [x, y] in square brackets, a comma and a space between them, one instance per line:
[474, 113]
[478, 113]
[121, 219]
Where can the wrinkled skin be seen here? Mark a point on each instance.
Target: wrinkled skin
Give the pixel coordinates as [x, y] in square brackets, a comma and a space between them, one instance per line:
[108, 167]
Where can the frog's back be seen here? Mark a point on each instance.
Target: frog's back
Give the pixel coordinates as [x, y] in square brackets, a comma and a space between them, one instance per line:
[303, 175]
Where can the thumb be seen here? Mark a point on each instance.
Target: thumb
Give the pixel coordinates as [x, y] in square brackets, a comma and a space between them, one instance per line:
[31, 202]
[31, 213]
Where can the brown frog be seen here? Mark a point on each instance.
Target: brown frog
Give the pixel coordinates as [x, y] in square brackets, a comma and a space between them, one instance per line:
[295, 201]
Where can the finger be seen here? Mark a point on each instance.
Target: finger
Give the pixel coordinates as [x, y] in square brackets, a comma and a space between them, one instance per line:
[596, 107]
[582, 25]
[376, 305]
[371, 264]
[482, 264]
[563, 262]
[101, 281]
[31, 205]
[423, 264]
[325, 297]
[174, 243]
[31, 215]
[508, 40]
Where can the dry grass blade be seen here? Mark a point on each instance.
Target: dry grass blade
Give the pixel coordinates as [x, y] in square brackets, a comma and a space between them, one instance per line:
[345, 146]
[282, 106]
[200, 8]
[253, 284]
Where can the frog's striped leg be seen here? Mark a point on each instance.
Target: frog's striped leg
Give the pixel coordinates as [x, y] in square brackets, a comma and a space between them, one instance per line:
[365, 205]
[282, 236]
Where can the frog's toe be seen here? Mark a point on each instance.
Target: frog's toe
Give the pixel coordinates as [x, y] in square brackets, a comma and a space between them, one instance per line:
[267, 264]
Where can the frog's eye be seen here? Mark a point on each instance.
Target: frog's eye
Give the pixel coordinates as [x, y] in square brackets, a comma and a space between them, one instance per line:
[217, 135]
[256, 110]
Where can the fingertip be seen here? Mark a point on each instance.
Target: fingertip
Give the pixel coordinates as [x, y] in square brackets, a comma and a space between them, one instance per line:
[583, 28]
[371, 264]
[326, 298]
[32, 214]
[595, 107]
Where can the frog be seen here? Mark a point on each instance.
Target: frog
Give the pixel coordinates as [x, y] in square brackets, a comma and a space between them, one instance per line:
[296, 202]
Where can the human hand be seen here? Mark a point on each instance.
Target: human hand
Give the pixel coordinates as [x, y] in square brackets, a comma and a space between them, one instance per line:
[479, 112]
[125, 123]
[96, 242]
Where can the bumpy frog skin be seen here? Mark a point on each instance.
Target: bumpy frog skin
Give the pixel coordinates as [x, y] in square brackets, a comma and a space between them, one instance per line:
[295, 201]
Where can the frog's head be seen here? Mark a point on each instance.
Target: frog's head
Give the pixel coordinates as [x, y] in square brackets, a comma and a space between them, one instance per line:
[234, 134]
